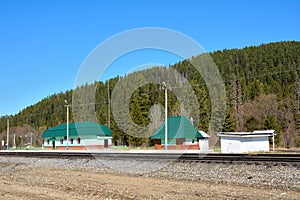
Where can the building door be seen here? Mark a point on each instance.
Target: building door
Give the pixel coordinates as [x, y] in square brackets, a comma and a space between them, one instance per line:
[157, 141]
[180, 141]
[105, 143]
[53, 144]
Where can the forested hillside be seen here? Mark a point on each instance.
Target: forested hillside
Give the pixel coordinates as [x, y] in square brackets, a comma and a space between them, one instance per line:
[262, 92]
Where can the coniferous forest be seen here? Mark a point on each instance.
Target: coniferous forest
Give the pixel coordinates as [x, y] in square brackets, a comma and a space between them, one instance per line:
[262, 85]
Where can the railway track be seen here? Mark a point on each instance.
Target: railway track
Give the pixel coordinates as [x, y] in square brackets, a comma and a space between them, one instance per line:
[186, 157]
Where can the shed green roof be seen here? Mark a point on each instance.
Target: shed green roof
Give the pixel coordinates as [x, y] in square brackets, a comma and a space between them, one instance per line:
[178, 127]
[77, 129]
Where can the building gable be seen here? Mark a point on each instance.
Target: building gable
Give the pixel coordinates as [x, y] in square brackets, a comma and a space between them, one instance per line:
[178, 127]
[78, 129]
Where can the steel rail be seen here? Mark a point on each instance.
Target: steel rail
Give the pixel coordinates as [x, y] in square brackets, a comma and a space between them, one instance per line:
[261, 157]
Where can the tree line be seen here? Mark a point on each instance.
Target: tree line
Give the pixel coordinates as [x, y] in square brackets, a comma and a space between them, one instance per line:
[262, 88]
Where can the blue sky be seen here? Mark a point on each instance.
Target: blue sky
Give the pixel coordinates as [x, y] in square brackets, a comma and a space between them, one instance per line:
[43, 43]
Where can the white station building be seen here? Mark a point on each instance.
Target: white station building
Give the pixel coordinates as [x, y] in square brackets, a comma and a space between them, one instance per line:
[244, 142]
[82, 135]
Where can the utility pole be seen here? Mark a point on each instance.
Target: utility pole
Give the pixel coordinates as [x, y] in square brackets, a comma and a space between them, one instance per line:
[67, 147]
[14, 147]
[7, 136]
[192, 121]
[273, 140]
[108, 96]
[21, 142]
[26, 141]
[31, 139]
[166, 116]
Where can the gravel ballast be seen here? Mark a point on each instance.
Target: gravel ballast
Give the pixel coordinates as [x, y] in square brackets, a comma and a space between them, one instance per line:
[282, 179]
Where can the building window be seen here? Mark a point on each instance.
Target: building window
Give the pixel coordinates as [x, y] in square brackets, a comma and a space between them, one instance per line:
[78, 140]
[71, 141]
[61, 141]
[48, 141]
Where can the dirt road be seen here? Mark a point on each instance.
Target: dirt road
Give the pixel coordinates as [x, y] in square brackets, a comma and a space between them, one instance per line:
[65, 184]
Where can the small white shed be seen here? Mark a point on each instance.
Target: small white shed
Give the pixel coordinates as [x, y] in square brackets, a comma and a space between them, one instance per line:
[243, 142]
[203, 142]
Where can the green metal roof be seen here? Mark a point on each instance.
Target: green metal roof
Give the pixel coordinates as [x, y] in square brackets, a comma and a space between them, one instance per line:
[77, 129]
[178, 127]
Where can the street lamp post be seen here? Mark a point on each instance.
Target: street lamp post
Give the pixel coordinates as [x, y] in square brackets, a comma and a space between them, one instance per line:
[166, 116]
[67, 147]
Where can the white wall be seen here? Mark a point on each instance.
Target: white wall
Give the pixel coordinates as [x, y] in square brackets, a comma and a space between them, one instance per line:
[244, 144]
[230, 145]
[88, 142]
[83, 142]
[252, 144]
[204, 144]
